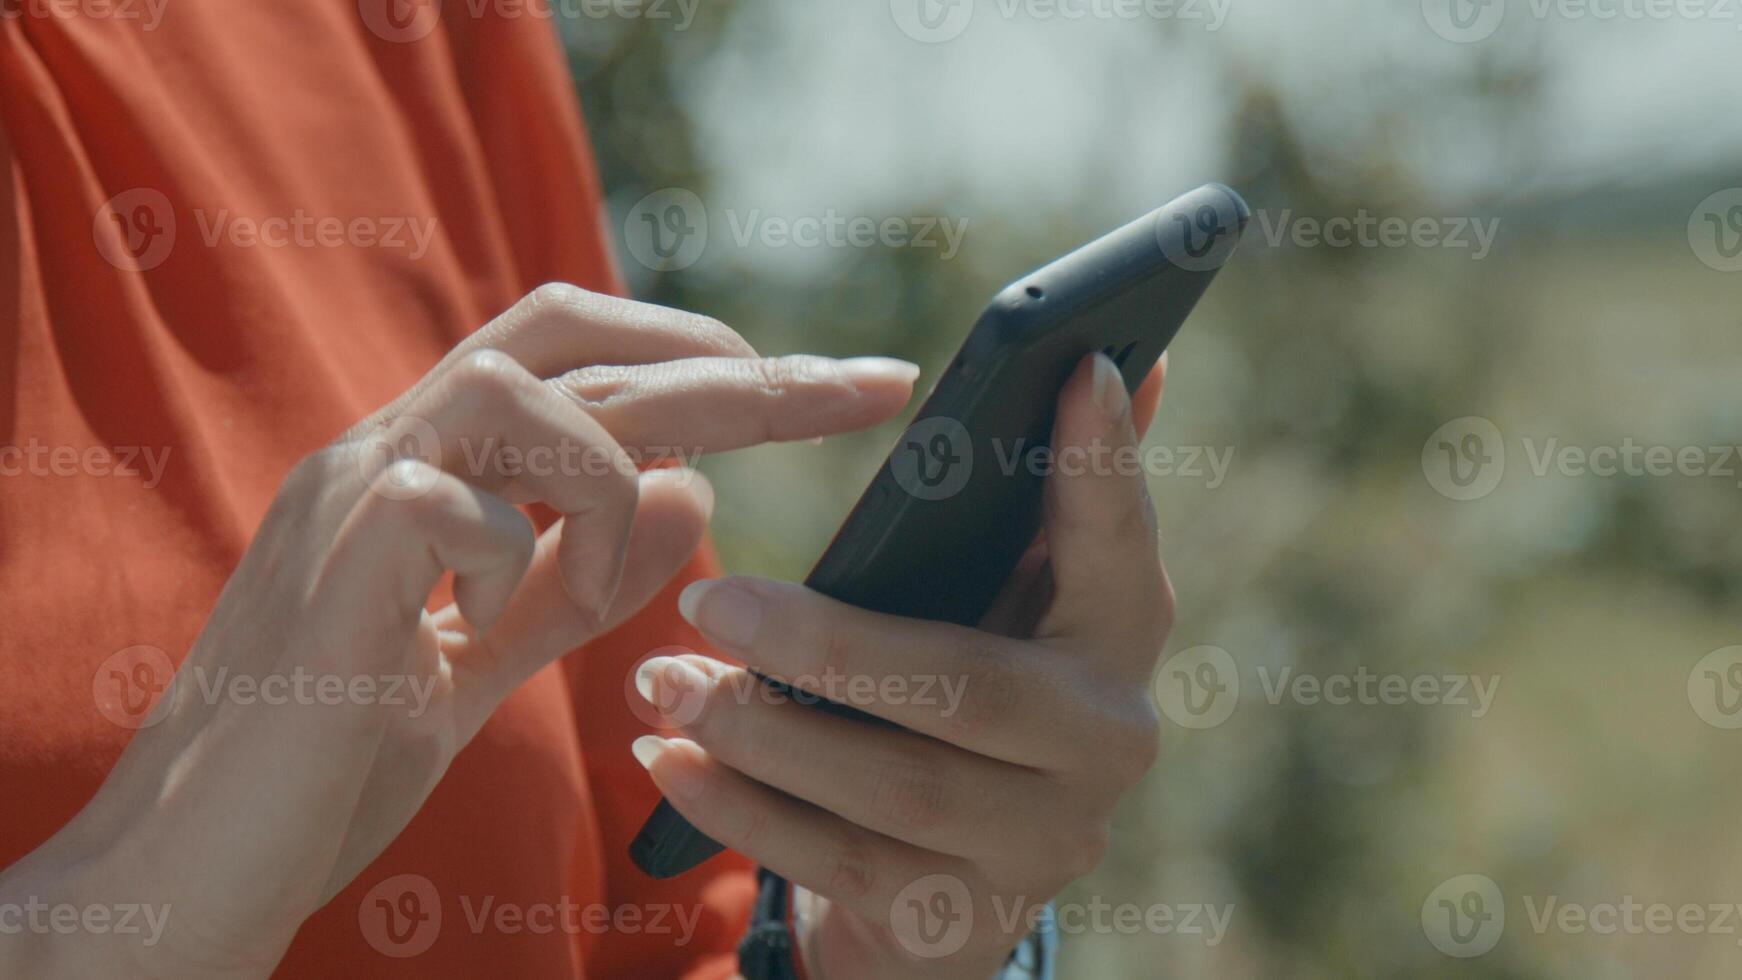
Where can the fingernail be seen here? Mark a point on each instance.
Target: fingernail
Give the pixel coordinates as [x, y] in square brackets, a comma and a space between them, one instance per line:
[727, 613]
[606, 598]
[1109, 390]
[873, 369]
[647, 748]
[680, 679]
[682, 782]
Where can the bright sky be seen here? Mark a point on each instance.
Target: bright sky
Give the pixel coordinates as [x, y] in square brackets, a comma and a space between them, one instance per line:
[828, 103]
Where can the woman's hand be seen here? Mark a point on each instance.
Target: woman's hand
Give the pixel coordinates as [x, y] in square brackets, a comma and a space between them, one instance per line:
[242, 817]
[927, 849]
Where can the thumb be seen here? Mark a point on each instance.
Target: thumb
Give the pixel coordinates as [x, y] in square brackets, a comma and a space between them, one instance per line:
[1109, 588]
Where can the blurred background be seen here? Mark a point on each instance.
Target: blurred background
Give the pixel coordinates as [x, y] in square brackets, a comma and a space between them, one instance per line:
[1424, 427]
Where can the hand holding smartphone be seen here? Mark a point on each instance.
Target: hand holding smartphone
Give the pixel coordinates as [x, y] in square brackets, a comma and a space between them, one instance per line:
[953, 508]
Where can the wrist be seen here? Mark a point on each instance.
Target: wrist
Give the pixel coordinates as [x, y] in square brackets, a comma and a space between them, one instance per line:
[75, 908]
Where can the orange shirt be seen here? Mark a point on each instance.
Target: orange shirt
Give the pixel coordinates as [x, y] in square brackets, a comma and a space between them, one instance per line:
[228, 230]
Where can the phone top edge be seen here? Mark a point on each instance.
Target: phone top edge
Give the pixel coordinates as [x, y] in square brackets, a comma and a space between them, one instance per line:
[1192, 235]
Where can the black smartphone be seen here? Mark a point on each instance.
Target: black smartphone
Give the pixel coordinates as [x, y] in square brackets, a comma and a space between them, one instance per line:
[956, 504]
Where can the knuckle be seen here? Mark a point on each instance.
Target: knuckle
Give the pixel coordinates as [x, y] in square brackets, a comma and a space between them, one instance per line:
[908, 792]
[490, 379]
[595, 386]
[713, 327]
[775, 377]
[1136, 746]
[388, 485]
[849, 871]
[1083, 849]
[991, 692]
[714, 333]
[558, 297]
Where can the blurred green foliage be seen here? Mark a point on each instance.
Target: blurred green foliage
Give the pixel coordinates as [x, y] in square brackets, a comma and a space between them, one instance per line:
[1325, 370]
